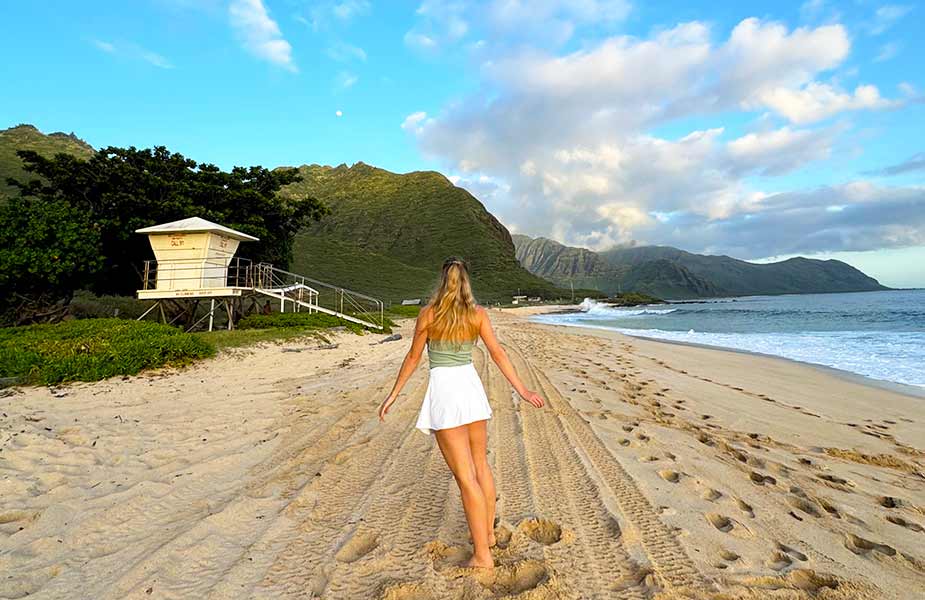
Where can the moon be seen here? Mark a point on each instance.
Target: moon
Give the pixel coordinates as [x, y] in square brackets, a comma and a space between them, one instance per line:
[339, 113]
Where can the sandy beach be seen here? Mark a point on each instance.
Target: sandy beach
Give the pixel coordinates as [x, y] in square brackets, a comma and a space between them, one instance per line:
[656, 471]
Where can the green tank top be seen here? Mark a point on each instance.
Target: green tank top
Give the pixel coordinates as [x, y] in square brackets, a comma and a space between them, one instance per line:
[447, 353]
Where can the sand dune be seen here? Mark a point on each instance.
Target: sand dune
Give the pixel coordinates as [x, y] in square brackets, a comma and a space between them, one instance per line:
[656, 471]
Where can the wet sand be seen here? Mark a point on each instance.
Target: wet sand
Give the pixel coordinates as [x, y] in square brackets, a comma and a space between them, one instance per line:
[656, 471]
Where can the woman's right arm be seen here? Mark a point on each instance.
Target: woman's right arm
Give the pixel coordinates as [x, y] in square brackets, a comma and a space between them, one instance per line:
[498, 355]
[411, 360]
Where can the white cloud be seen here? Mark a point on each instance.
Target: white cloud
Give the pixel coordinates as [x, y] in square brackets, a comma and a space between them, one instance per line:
[105, 46]
[440, 23]
[259, 33]
[568, 137]
[343, 52]
[811, 9]
[887, 51]
[349, 9]
[346, 80]
[779, 151]
[132, 51]
[419, 41]
[443, 23]
[414, 121]
[328, 13]
[818, 101]
[886, 16]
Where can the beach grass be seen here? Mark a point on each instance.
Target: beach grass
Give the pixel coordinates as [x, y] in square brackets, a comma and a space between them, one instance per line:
[305, 320]
[239, 338]
[93, 349]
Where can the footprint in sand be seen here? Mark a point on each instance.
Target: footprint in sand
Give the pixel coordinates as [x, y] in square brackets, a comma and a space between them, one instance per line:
[803, 505]
[745, 507]
[863, 547]
[542, 531]
[408, 591]
[517, 578]
[724, 524]
[792, 552]
[669, 475]
[836, 482]
[760, 479]
[889, 502]
[828, 506]
[705, 439]
[904, 523]
[361, 544]
[778, 561]
[711, 495]
[729, 555]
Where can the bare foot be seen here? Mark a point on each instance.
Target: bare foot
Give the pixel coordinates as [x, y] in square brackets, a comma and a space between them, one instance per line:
[481, 563]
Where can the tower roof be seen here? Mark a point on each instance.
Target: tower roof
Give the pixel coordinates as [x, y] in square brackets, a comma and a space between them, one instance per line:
[197, 225]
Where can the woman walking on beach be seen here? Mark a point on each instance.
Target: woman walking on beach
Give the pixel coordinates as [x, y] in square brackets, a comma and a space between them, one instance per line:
[455, 407]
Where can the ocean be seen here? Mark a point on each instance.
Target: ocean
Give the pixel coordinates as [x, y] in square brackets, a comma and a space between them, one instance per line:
[876, 334]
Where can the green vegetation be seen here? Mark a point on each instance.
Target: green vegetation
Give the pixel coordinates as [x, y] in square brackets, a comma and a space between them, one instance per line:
[47, 249]
[671, 273]
[633, 299]
[239, 338]
[73, 224]
[405, 311]
[93, 349]
[27, 137]
[87, 305]
[339, 262]
[303, 320]
[388, 234]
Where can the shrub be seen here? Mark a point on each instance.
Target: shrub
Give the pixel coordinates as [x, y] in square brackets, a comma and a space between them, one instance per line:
[93, 349]
[305, 320]
[400, 310]
[291, 319]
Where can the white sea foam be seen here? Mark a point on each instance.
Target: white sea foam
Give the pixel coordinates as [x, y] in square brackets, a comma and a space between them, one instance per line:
[895, 356]
[593, 307]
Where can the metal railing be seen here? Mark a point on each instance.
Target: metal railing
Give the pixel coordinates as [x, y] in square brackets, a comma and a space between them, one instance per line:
[330, 298]
[299, 291]
[197, 273]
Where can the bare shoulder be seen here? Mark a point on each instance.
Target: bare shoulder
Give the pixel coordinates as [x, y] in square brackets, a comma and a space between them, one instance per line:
[425, 316]
[481, 314]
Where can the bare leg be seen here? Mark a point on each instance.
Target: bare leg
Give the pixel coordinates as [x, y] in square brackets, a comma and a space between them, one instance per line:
[454, 444]
[478, 446]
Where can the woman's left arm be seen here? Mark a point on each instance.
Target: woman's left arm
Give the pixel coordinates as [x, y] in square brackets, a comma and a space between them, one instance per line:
[411, 361]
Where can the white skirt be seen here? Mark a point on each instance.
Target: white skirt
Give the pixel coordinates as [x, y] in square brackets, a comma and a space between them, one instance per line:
[454, 397]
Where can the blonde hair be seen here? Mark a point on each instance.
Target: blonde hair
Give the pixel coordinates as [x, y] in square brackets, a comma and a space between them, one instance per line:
[453, 306]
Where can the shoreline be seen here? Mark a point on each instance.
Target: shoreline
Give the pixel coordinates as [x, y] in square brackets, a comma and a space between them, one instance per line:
[850, 376]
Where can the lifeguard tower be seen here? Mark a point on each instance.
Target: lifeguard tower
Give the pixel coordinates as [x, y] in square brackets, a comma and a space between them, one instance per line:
[195, 260]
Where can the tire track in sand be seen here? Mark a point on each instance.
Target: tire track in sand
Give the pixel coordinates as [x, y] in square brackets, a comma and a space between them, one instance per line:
[567, 494]
[671, 565]
[327, 509]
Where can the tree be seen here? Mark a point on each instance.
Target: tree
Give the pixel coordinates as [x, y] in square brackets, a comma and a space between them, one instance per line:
[47, 248]
[120, 190]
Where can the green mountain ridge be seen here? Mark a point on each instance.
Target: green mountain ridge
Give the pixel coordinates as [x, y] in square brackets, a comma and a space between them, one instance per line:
[388, 234]
[28, 137]
[676, 274]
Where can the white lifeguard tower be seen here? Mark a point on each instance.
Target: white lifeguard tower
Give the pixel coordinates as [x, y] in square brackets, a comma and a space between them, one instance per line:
[195, 260]
[192, 258]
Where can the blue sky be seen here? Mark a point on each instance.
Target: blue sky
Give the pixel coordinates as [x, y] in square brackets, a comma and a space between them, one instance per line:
[755, 129]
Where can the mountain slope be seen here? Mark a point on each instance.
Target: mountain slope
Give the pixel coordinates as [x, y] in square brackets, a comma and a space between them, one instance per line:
[389, 234]
[27, 137]
[672, 273]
